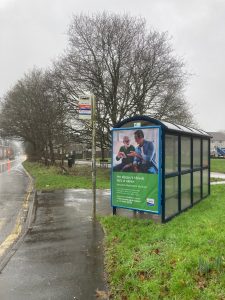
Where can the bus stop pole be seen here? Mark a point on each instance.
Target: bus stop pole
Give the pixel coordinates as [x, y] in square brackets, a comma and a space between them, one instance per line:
[93, 118]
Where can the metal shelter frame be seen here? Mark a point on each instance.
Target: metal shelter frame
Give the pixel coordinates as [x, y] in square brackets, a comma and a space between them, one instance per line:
[185, 163]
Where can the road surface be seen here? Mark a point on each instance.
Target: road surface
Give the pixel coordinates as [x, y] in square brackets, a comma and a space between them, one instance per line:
[14, 185]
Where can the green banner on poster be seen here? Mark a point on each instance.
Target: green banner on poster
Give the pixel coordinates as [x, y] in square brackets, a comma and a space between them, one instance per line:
[135, 190]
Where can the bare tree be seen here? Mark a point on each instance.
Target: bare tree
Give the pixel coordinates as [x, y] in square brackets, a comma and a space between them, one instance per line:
[34, 111]
[131, 70]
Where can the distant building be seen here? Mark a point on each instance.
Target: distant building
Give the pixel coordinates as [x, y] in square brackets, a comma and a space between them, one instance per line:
[217, 141]
[4, 148]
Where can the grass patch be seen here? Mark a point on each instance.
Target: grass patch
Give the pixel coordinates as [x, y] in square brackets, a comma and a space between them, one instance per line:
[52, 178]
[182, 259]
[218, 165]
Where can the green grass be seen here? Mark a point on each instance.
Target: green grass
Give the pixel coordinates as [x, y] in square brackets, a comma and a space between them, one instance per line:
[218, 165]
[182, 259]
[52, 178]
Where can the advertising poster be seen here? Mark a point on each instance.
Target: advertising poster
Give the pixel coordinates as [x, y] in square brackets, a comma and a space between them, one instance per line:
[135, 168]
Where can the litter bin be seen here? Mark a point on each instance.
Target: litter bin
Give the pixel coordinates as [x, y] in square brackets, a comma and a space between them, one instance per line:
[70, 162]
[73, 156]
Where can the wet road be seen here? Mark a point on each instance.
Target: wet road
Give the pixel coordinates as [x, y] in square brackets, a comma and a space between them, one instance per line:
[13, 187]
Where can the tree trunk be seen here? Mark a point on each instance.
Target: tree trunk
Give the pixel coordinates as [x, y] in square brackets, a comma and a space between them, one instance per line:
[102, 149]
[62, 157]
[46, 155]
[52, 155]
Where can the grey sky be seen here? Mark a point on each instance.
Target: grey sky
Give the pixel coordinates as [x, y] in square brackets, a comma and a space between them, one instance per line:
[33, 33]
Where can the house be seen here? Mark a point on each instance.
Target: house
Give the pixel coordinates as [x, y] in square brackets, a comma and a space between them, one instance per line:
[217, 142]
[4, 149]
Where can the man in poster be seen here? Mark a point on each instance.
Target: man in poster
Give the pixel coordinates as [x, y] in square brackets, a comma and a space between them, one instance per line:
[144, 154]
[127, 160]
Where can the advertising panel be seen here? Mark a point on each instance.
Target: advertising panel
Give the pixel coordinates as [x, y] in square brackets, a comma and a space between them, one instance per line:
[136, 171]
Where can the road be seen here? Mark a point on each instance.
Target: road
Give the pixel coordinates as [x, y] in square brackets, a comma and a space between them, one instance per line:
[14, 184]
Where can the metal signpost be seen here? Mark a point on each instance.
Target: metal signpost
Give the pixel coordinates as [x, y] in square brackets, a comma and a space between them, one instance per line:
[87, 111]
[93, 155]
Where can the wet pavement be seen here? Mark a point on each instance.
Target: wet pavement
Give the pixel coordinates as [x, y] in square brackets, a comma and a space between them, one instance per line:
[62, 255]
[219, 176]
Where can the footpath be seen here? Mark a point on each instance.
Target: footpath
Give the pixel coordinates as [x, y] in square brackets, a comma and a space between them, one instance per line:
[219, 176]
[61, 257]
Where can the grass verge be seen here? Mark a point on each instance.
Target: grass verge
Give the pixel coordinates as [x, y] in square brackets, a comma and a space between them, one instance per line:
[52, 178]
[182, 259]
[218, 165]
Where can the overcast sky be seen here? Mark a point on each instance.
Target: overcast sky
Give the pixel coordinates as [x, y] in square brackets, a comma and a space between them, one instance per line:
[33, 33]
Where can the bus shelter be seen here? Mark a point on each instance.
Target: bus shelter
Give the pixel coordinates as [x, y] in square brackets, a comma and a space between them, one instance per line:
[158, 167]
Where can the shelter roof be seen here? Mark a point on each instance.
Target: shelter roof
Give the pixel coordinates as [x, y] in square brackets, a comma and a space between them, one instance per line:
[168, 126]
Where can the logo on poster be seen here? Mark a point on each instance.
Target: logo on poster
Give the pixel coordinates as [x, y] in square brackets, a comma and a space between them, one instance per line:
[150, 201]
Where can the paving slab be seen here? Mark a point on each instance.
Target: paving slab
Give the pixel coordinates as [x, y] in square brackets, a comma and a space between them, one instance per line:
[217, 175]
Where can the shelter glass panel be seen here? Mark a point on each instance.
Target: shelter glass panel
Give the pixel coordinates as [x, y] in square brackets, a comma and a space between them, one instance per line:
[185, 153]
[196, 153]
[196, 186]
[205, 181]
[171, 196]
[185, 191]
[171, 153]
[205, 153]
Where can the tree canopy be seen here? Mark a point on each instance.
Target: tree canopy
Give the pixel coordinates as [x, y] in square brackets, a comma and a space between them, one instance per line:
[34, 111]
[131, 69]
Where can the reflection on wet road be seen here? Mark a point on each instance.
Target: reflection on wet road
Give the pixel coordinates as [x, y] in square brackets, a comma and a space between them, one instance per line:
[9, 165]
[13, 187]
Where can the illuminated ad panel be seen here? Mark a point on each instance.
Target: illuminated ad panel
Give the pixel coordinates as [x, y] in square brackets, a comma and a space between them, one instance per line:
[136, 168]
